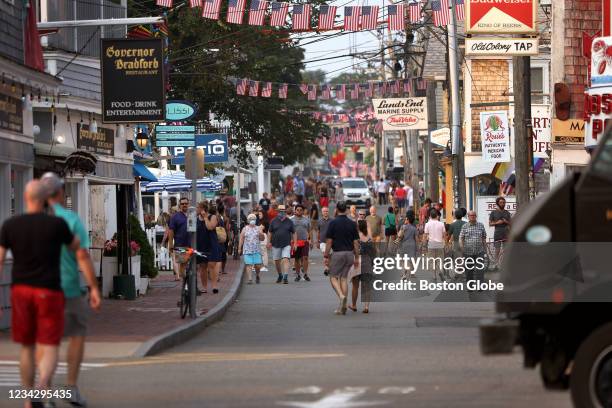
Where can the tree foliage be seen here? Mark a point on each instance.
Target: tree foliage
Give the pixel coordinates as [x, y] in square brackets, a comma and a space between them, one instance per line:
[207, 56]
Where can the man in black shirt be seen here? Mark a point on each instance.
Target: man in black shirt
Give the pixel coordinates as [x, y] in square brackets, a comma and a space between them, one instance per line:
[37, 301]
[265, 202]
[500, 219]
[343, 238]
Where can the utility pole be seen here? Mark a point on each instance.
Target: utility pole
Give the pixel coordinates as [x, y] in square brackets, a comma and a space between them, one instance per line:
[522, 127]
[381, 140]
[457, 137]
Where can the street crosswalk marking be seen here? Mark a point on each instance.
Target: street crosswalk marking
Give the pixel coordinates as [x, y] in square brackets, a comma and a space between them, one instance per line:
[9, 371]
[341, 398]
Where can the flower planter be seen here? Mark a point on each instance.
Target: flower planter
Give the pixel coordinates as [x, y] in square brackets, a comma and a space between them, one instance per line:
[135, 271]
[110, 268]
[144, 285]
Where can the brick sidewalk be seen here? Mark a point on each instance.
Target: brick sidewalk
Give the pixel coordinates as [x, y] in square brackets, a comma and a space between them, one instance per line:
[152, 314]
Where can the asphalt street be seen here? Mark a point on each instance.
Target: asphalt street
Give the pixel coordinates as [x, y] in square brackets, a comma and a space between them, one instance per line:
[281, 345]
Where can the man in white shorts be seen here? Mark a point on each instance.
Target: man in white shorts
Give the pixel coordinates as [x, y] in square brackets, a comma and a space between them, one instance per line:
[281, 235]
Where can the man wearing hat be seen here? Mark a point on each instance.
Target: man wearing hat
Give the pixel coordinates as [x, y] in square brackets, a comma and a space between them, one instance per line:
[75, 309]
[281, 234]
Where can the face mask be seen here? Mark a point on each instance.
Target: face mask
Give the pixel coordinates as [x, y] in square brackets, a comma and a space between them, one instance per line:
[252, 222]
[282, 214]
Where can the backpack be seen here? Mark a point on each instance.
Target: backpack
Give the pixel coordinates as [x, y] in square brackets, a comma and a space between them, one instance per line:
[221, 235]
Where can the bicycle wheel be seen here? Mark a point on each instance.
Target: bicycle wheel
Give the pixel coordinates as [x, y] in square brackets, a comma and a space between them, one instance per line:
[184, 302]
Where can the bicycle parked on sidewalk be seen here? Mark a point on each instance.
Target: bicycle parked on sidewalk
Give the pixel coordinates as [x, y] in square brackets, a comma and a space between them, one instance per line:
[185, 256]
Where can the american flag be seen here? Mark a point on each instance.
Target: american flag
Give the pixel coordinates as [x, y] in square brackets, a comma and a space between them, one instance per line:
[301, 16]
[396, 17]
[241, 86]
[257, 12]
[421, 84]
[327, 17]
[369, 17]
[235, 11]
[369, 90]
[460, 9]
[408, 86]
[164, 3]
[341, 91]
[282, 91]
[253, 88]
[415, 12]
[195, 3]
[304, 88]
[441, 12]
[382, 88]
[394, 85]
[355, 91]
[211, 9]
[312, 92]
[279, 13]
[351, 17]
[266, 90]
[325, 92]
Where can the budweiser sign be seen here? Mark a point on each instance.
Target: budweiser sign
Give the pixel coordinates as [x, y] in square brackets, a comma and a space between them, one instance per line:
[401, 113]
[501, 16]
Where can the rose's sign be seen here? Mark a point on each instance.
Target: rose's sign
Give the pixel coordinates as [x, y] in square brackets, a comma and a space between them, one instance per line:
[495, 136]
[401, 113]
[501, 16]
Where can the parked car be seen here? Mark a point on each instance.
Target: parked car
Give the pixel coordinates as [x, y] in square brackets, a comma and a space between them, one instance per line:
[356, 191]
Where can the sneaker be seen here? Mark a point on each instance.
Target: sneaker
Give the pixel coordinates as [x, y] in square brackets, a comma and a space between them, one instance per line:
[76, 399]
[264, 269]
[297, 278]
[326, 272]
[307, 278]
[280, 278]
[286, 281]
[257, 279]
[215, 291]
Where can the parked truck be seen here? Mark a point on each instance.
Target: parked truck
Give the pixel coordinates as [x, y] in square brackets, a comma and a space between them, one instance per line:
[557, 275]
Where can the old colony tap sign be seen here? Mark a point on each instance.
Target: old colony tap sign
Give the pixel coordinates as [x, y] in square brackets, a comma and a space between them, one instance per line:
[132, 81]
[401, 113]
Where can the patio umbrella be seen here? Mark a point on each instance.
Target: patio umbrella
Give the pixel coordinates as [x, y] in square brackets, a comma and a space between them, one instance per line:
[176, 182]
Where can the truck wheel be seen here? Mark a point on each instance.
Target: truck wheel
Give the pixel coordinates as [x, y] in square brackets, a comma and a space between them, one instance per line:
[591, 378]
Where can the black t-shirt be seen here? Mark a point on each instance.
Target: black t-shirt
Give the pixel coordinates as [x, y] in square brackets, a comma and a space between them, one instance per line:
[36, 243]
[343, 233]
[501, 230]
[265, 203]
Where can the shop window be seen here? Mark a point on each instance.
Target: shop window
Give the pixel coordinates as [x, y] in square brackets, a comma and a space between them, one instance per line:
[18, 182]
[537, 84]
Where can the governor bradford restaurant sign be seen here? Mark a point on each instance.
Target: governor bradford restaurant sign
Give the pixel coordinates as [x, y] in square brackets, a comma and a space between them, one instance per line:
[401, 113]
[132, 81]
[101, 142]
[501, 16]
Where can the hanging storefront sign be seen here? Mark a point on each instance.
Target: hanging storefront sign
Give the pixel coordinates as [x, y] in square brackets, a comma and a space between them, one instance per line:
[495, 136]
[132, 81]
[214, 146]
[501, 17]
[601, 62]
[101, 142]
[11, 113]
[597, 113]
[180, 110]
[401, 113]
[541, 127]
[441, 136]
[568, 131]
[501, 46]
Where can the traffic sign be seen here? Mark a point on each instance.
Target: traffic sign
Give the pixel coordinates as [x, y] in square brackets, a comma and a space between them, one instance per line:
[214, 146]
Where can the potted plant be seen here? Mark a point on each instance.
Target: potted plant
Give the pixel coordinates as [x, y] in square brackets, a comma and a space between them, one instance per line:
[148, 270]
[110, 265]
[135, 264]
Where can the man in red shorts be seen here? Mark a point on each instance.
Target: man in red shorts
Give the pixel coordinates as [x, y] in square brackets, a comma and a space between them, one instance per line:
[35, 239]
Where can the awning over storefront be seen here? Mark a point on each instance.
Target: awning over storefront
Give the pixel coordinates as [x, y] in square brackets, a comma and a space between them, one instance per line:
[140, 170]
[475, 166]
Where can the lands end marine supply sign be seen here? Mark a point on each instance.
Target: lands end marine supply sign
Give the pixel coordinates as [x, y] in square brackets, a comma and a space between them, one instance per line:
[401, 113]
[132, 81]
[501, 16]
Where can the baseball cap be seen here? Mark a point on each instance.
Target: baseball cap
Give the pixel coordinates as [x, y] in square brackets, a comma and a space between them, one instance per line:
[52, 183]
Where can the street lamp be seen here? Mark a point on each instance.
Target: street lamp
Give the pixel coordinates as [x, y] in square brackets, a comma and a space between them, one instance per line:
[142, 140]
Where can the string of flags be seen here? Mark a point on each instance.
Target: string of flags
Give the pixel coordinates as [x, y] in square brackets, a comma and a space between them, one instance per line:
[355, 18]
[397, 87]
